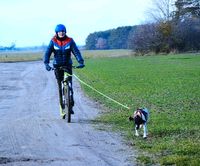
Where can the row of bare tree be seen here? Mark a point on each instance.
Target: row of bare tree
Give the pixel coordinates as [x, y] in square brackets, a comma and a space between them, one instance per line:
[175, 27]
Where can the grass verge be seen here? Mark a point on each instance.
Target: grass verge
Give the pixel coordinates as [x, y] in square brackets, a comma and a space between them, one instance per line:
[20, 56]
[168, 86]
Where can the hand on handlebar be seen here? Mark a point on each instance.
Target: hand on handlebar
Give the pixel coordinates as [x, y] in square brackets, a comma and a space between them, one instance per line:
[48, 68]
[80, 66]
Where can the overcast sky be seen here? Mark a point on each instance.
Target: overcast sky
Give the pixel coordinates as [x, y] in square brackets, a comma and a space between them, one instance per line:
[32, 22]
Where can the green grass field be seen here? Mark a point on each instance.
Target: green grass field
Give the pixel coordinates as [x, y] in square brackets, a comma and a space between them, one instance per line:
[169, 86]
[17, 56]
[20, 56]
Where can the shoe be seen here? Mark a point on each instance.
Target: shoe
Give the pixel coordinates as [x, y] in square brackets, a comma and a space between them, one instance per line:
[63, 116]
[71, 112]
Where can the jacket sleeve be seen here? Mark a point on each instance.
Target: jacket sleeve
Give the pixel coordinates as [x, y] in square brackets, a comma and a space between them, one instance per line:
[48, 53]
[76, 53]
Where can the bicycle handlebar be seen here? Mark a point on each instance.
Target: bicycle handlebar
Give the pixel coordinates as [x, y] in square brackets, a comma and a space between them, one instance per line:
[64, 68]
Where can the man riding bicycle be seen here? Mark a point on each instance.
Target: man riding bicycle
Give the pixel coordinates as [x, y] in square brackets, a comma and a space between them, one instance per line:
[62, 46]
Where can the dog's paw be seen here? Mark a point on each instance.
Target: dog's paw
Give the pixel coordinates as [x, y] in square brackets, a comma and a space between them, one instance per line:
[137, 135]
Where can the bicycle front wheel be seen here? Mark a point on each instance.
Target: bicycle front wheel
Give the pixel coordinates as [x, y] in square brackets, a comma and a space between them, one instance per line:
[69, 105]
[67, 102]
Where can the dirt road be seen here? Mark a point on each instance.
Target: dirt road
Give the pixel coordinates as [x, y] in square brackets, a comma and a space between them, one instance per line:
[32, 132]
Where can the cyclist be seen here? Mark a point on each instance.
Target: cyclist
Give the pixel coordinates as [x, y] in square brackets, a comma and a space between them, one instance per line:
[62, 46]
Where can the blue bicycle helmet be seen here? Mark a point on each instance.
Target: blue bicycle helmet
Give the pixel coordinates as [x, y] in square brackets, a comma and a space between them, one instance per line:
[60, 28]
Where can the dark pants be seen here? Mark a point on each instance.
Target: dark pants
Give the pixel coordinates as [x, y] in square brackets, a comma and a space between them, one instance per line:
[59, 74]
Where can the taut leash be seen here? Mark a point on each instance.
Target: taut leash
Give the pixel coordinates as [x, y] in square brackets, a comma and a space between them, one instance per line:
[100, 92]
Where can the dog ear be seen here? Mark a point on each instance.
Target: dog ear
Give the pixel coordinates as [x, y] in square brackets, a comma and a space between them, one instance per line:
[130, 118]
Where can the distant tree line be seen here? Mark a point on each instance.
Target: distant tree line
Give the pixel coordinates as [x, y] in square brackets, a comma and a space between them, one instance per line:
[110, 39]
[175, 28]
[11, 47]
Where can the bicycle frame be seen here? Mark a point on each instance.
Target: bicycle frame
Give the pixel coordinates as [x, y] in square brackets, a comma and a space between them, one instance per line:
[67, 95]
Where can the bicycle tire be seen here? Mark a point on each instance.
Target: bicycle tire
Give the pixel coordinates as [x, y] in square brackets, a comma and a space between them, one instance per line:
[63, 96]
[67, 102]
[69, 106]
[63, 100]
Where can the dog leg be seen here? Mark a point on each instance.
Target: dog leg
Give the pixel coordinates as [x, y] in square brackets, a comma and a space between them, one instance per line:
[145, 130]
[136, 132]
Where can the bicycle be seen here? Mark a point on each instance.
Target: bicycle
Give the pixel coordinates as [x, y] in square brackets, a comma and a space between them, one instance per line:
[66, 96]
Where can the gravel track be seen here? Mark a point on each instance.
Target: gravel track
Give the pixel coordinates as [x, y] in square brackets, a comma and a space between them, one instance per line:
[32, 132]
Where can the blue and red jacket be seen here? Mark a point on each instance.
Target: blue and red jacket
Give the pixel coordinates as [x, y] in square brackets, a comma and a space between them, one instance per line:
[62, 49]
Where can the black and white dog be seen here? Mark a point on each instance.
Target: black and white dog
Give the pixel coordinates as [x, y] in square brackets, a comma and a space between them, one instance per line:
[140, 118]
